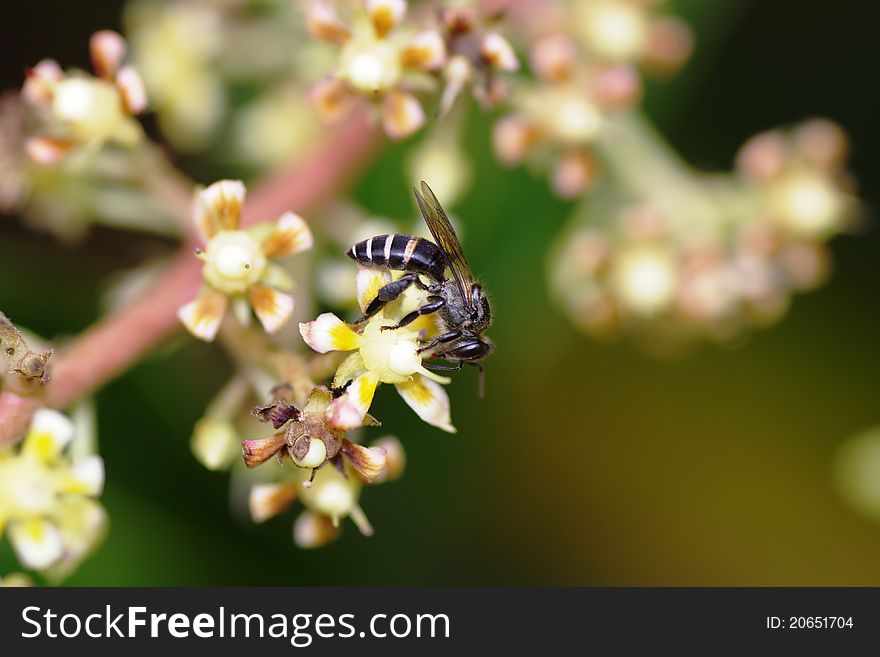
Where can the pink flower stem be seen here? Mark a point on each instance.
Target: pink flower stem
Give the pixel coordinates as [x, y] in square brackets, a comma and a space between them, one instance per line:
[121, 339]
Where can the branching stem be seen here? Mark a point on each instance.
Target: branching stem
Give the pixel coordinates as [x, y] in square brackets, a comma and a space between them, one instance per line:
[121, 339]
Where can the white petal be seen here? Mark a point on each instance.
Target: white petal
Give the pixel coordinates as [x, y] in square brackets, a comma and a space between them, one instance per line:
[323, 23]
[331, 100]
[385, 14]
[83, 525]
[203, 316]
[272, 308]
[291, 235]
[367, 284]
[427, 50]
[218, 207]
[329, 333]
[88, 474]
[402, 114]
[429, 400]
[50, 432]
[498, 52]
[37, 543]
[131, 86]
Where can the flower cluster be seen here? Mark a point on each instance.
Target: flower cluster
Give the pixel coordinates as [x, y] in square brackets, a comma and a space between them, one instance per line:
[47, 498]
[71, 151]
[762, 237]
[385, 60]
[477, 53]
[381, 356]
[78, 110]
[584, 57]
[804, 190]
[330, 469]
[238, 267]
[194, 78]
[556, 121]
[380, 59]
[630, 31]
[176, 46]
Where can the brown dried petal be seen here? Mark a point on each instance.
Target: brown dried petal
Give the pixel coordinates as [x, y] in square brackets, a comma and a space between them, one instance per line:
[278, 413]
[257, 452]
[367, 462]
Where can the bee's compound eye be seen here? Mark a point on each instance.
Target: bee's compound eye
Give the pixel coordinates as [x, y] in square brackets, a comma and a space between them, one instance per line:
[471, 350]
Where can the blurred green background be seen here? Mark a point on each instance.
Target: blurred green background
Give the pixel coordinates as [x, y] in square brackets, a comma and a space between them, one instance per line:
[586, 464]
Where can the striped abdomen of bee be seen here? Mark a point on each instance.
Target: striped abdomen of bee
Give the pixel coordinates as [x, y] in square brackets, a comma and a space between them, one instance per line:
[401, 253]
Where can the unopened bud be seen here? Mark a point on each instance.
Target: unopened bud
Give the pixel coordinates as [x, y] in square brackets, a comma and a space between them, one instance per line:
[215, 443]
[311, 530]
[395, 458]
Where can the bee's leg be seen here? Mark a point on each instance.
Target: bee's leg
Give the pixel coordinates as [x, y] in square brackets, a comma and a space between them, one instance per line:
[440, 339]
[445, 368]
[434, 304]
[388, 293]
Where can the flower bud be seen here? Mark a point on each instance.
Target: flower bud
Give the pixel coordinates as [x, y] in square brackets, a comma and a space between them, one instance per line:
[332, 494]
[268, 500]
[215, 443]
[395, 458]
[311, 530]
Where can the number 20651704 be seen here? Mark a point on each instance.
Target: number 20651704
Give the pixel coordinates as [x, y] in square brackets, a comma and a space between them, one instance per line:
[809, 622]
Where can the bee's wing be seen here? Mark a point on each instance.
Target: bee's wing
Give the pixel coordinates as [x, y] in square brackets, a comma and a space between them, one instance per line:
[444, 235]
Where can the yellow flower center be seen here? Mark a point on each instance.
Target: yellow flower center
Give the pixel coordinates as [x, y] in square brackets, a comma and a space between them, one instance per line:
[234, 262]
[390, 355]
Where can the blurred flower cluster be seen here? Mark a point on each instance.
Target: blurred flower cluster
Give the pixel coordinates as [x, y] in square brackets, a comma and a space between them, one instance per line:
[585, 58]
[236, 89]
[709, 255]
[388, 57]
[48, 488]
[71, 151]
[226, 79]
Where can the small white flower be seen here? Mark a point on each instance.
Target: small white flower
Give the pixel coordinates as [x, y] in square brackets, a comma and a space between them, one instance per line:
[380, 356]
[238, 263]
[46, 505]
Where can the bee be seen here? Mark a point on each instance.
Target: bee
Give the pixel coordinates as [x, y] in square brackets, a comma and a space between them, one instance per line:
[460, 302]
